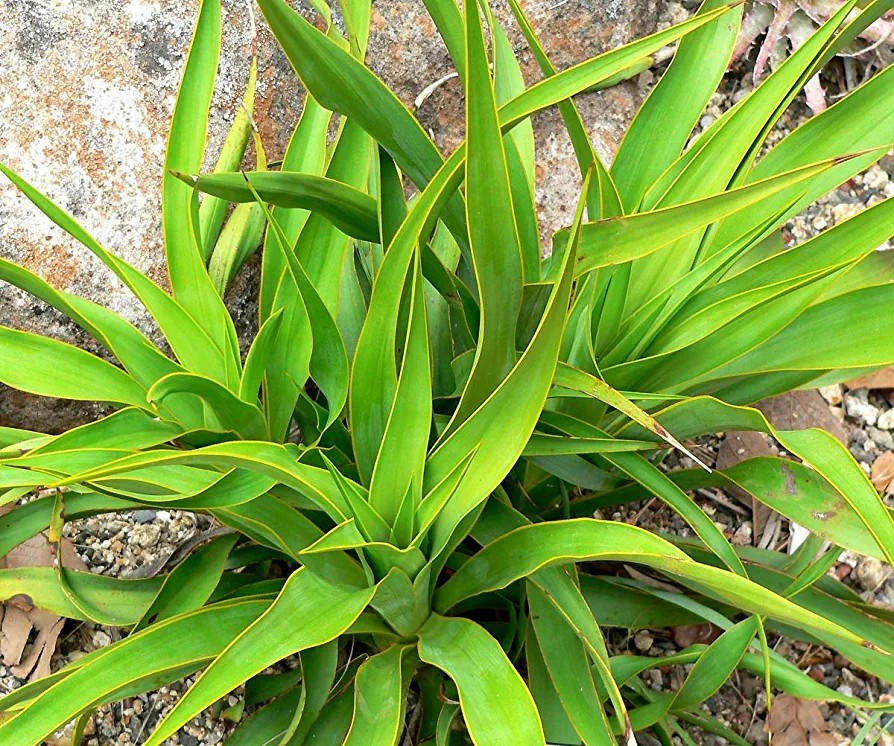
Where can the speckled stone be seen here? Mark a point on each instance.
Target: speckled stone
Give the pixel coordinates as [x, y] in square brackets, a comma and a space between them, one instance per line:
[86, 92]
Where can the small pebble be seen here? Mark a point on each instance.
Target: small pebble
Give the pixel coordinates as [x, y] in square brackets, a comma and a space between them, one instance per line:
[860, 410]
[871, 573]
[643, 641]
[886, 420]
[146, 534]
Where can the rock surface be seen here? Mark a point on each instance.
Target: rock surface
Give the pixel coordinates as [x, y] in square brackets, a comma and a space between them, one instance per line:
[87, 88]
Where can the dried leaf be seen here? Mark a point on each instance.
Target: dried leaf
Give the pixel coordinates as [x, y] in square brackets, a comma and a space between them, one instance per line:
[37, 552]
[37, 661]
[798, 410]
[693, 634]
[14, 632]
[881, 379]
[883, 471]
[20, 618]
[740, 446]
[798, 722]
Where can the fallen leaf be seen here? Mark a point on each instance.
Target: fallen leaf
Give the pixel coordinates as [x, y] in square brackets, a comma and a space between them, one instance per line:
[881, 379]
[798, 722]
[882, 472]
[37, 552]
[740, 446]
[20, 618]
[48, 626]
[14, 632]
[798, 410]
[685, 635]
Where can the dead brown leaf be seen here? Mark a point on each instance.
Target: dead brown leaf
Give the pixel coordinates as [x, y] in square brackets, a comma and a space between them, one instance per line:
[798, 410]
[29, 657]
[685, 635]
[798, 722]
[740, 446]
[881, 379]
[882, 472]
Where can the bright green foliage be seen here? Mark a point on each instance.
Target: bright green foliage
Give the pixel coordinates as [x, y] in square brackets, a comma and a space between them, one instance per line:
[409, 455]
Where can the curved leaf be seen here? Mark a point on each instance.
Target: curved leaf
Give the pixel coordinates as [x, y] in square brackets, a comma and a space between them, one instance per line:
[525, 550]
[308, 612]
[155, 656]
[47, 367]
[496, 704]
[348, 209]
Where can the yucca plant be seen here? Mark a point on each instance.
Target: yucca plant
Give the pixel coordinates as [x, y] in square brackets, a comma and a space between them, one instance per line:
[427, 405]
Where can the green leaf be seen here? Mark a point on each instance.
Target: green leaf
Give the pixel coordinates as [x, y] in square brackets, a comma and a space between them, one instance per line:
[319, 666]
[47, 367]
[603, 200]
[603, 68]
[179, 207]
[496, 704]
[496, 252]
[190, 584]
[312, 610]
[853, 332]
[189, 341]
[582, 382]
[717, 304]
[860, 121]
[525, 550]
[328, 363]
[659, 484]
[568, 666]
[306, 153]
[401, 459]
[223, 409]
[519, 146]
[343, 84]
[675, 104]
[380, 691]
[240, 238]
[135, 352]
[556, 726]
[553, 445]
[621, 239]
[347, 208]
[496, 434]
[258, 358]
[212, 209]
[123, 601]
[128, 428]
[156, 656]
[715, 665]
[819, 450]
[777, 482]
[374, 375]
[269, 459]
[268, 723]
[722, 155]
